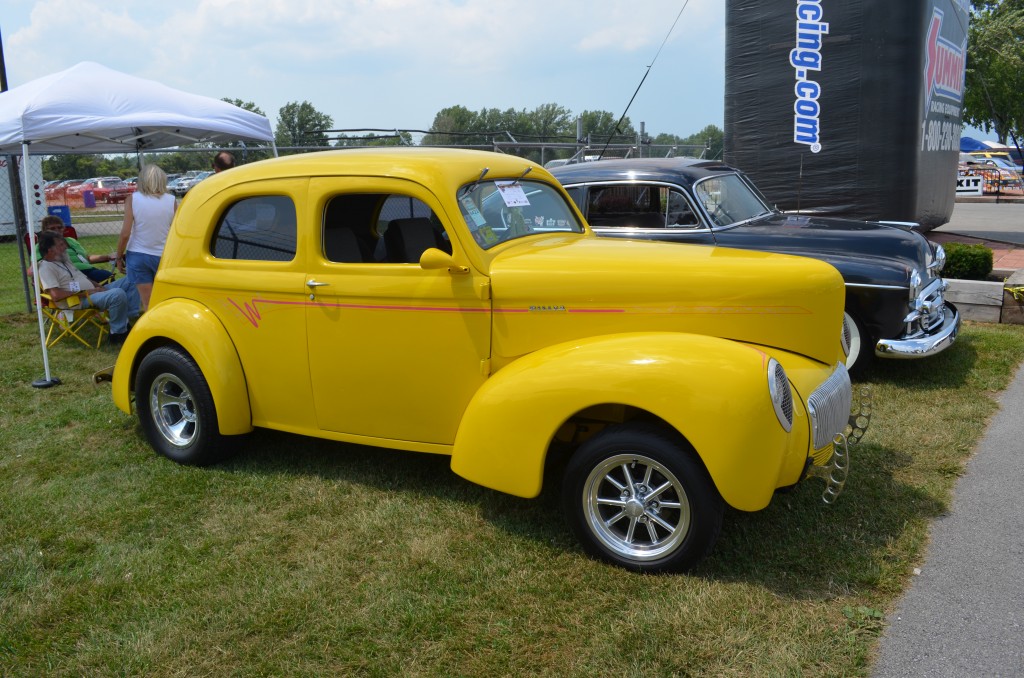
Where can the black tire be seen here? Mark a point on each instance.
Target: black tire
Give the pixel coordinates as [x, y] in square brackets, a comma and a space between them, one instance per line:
[176, 408]
[637, 496]
[862, 346]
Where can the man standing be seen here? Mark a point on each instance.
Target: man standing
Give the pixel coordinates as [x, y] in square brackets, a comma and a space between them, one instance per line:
[223, 161]
[62, 280]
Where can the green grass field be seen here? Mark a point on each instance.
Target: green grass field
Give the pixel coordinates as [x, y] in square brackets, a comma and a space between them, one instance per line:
[306, 557]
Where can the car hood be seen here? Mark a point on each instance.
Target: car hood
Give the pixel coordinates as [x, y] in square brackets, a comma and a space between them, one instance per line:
[865, 252]
[551, 289]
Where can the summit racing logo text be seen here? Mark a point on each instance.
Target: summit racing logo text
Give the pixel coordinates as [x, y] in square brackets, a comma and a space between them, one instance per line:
[805, 59]
[944, 65]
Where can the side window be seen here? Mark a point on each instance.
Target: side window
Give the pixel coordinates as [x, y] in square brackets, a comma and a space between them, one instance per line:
[380, 228]
[260, 228]
[680, 213]
[627, 206]
[576, 193]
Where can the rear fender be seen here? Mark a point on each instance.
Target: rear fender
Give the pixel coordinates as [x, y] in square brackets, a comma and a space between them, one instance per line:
[712, 391]
[197, 330]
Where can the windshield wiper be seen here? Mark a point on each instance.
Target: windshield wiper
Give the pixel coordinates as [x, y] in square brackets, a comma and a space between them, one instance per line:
[483, 173]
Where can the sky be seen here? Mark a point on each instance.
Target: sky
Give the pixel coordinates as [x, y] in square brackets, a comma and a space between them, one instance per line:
[395, 63]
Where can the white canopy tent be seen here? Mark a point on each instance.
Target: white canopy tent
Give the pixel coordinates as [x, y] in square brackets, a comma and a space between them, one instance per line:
[89, 108]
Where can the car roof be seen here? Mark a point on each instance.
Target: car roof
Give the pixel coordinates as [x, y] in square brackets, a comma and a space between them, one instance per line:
[674, 170]
[428, 165]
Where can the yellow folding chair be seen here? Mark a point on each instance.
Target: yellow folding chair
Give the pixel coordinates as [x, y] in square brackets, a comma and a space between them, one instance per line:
[73, 321]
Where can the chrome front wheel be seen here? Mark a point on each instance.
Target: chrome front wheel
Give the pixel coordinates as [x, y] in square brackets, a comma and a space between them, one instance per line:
[638, 496]
[636, 507]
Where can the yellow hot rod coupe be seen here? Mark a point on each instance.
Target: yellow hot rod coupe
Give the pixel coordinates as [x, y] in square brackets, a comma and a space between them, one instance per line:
[455, 302]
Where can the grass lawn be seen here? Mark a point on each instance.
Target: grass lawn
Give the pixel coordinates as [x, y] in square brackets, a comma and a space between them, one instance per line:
[305, 557]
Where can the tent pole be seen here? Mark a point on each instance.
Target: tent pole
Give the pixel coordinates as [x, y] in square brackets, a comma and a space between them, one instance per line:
[48, 380]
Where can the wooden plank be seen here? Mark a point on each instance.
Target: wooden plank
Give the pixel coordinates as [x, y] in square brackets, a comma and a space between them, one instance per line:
[975, 292]
[1013, 310]
[982, 313]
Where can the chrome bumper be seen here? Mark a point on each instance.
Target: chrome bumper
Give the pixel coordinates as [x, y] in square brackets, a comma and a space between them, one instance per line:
[835, 471]
[923, 346]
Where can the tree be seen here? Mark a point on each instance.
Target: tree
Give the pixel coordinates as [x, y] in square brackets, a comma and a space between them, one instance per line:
[75, 166]
[299, 124]
[995, 68]
[707, 143]
[244, 154]
[600, 125]
[448, 124]
[372, 139]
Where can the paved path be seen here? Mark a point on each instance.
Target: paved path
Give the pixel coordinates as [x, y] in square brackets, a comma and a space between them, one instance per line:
[964, 614]
[987, 221]
[998, 226]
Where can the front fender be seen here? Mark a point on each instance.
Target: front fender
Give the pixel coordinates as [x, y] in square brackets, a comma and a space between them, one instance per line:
[197, 330]
[713, 391]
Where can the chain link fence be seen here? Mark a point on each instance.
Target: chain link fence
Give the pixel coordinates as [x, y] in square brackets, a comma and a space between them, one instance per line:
[96, 226]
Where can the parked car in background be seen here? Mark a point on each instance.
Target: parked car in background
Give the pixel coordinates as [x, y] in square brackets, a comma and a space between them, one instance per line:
[172, 182]
[894, 293]
[1011, 156]
[104, 189]
[453, 302]
[998, 174]
[57, 193]
[184, 187]
[186, 181]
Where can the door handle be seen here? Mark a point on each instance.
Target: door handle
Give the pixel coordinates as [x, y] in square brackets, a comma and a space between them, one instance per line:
[312, 285]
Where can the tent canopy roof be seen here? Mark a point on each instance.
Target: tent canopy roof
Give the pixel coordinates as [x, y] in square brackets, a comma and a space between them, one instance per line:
[90, 108]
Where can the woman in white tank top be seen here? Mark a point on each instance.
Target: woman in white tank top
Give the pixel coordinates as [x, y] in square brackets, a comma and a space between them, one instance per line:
[147, 220]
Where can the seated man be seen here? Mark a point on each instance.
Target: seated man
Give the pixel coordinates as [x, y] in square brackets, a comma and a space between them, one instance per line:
[61, 280]
[81, 260]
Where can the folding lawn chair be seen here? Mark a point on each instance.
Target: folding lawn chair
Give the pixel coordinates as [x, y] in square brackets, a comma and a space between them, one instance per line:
[73, 322]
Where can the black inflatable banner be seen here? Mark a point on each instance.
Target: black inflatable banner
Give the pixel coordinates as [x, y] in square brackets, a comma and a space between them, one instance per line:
[848, 107]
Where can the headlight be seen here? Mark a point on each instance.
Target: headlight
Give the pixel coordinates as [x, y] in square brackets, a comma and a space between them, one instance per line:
[915, 283]
[781, 394]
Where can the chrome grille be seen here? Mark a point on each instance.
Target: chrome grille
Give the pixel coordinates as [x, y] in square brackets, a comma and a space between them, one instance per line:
[932, 300]
[829, 407]
[927, 310]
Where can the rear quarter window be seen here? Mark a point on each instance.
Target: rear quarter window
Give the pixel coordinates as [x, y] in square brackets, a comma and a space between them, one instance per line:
[261, 228]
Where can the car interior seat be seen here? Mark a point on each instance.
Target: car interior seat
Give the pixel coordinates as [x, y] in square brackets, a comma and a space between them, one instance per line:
[408, 239]
[342, 246]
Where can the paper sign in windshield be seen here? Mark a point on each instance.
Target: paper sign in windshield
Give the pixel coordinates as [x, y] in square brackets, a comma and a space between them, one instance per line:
[473, 212]
[512, 193]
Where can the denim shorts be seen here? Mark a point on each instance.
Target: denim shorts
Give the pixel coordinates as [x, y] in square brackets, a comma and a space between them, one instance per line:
[141, 268]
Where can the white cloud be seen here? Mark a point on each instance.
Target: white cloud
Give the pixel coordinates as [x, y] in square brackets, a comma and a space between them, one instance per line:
[389, 62]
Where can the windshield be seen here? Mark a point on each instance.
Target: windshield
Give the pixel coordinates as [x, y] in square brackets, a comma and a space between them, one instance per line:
[729, 200]
[497, 211]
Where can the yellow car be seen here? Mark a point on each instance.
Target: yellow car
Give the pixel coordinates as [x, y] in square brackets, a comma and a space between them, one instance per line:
[455, 302]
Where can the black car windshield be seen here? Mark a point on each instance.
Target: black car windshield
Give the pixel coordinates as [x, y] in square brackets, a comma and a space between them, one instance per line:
[501, 210]
[729, 199]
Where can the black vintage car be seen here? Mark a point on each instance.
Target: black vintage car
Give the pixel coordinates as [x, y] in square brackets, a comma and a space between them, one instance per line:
[894, 294]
